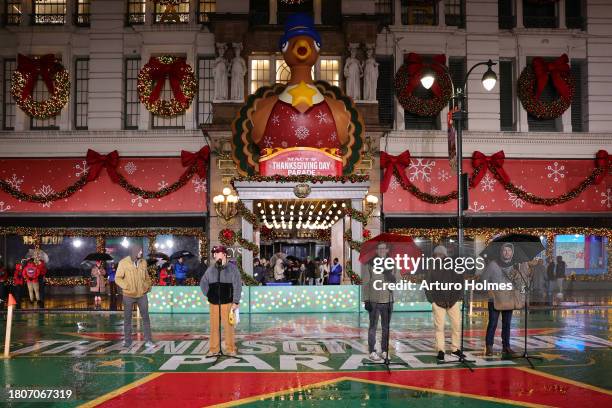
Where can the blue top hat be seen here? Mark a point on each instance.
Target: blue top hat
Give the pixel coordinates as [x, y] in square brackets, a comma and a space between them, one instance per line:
[299, 24]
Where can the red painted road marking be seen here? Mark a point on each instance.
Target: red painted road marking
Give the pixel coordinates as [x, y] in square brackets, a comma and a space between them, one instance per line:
[498, 384]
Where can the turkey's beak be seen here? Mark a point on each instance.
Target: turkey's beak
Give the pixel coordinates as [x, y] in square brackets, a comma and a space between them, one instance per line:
[302, 50]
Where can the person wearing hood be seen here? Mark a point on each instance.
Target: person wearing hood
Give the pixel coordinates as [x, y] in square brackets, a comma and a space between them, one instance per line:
[180, 272]
[445, 302]
[279, 270]
[503, 270]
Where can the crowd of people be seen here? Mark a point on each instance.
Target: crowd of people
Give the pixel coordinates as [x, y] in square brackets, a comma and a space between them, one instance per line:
[28, 277]
[291, 270]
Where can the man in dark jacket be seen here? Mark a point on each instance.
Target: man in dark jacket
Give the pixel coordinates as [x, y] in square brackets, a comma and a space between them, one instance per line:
[445, 302]
[311, 271]
[222, 285]
[560, 273]
[259, 272]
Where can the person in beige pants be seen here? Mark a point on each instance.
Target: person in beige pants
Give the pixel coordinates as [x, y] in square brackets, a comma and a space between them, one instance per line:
[443, 303]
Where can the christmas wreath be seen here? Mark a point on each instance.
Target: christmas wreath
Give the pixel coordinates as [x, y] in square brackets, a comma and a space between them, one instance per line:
[534, 79]
[55, 77]
[152, 78]
[408, 78]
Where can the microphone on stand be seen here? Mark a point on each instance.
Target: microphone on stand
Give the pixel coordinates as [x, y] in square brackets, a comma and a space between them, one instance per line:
[219, 264]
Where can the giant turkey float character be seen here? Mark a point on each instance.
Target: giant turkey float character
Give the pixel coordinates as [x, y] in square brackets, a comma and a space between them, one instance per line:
[300, 120]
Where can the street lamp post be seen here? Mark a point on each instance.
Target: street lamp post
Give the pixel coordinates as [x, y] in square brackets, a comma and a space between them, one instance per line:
[489, 79]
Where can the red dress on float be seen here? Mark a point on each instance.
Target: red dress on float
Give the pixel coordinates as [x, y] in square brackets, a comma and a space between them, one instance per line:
[288, 127]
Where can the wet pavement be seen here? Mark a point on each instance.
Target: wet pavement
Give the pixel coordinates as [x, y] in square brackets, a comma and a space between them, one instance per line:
[307, 360]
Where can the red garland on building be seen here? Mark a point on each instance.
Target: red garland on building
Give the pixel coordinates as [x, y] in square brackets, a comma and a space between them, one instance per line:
[534, 79]
[481, 164]
[408, 78]
[196, 163]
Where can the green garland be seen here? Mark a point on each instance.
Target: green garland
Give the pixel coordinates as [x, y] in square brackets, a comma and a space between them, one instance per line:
[355, 279]
[246, 278]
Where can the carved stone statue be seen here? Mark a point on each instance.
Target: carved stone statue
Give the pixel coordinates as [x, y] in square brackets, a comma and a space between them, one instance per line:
[370, 75]
[221, 73]
[238, 71]
[353, 73]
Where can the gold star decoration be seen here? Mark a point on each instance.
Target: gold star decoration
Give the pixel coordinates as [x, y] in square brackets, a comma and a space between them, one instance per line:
[551, 356]
[112, 363]
[302, 94]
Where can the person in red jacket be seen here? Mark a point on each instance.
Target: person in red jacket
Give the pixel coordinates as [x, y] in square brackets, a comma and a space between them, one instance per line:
[31, 271]
[163, 275]
[18, 283]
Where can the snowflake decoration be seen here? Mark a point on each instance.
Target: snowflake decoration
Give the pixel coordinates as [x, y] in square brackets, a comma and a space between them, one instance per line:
[322, 116]
[394, 184]
[276, 120]
[302, 132]
[130, 168]
[434, 190]
[45, 191]
[487, 183]
[556, 172]
[294, 117]
[199, 184]
[162, 184]
[516, 201]
[421, 169]
[607, 198]
[81, 169]
[139, 201]
[333, 136]
[443, 175]
[319, 142]
[475, 207]
[4, 208]
[15, 182]
[267, 141]
[284, 143]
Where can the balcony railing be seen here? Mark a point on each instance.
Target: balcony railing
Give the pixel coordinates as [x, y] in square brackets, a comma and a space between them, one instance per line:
[171, 18]
[81, 19]
[48, 19]
[420, 16]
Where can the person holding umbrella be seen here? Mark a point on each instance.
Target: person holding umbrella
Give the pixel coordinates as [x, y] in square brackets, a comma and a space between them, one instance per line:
[180, 268]
[378, 301]
[132, 277]
[222, 285]
[97, 273]
[335, 275]
[503, 270]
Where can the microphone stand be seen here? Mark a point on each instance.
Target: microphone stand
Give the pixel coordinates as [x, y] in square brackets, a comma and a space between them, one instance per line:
[463, 358]
[220, 266]
[525, 354]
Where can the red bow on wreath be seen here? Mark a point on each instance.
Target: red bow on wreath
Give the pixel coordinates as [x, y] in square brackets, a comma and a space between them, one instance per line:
[556, 70]
[199, 159]
[415, 66]
[97, 161]
[175, 72]
[390, 163]
[45, 67]
[602, 161]
[480, 162]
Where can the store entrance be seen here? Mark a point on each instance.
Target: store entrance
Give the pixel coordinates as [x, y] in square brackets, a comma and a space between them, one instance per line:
[298, 249]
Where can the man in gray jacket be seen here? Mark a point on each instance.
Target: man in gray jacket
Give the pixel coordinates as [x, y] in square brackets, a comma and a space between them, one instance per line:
[222, 285]
[378, 301]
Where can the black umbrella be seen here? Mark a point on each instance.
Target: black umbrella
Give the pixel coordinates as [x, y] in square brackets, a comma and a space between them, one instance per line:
[98, 256]
[182, 254]
[526, 247]
[159, 255]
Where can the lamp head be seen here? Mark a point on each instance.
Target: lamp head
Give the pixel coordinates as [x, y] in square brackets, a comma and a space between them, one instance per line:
[428, 76]
[489, 79]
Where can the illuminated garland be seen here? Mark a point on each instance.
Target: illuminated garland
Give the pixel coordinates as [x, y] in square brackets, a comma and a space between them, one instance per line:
[247, 214]
[151, 81]
[103, 233]
[56, 79]
[355, 279]
[229, 237]
[303, 178]
[356, 215]
[408, 77]
[246, 278]
[493, 167]
[532, 104]
[122, 181]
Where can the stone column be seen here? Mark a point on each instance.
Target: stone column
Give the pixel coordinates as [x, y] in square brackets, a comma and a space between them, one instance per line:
[247, 233]
[561, 14]
[441, 13]
[317, 11]
[356, 235]
[519, 14]
[397, 12]
[273, 18]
